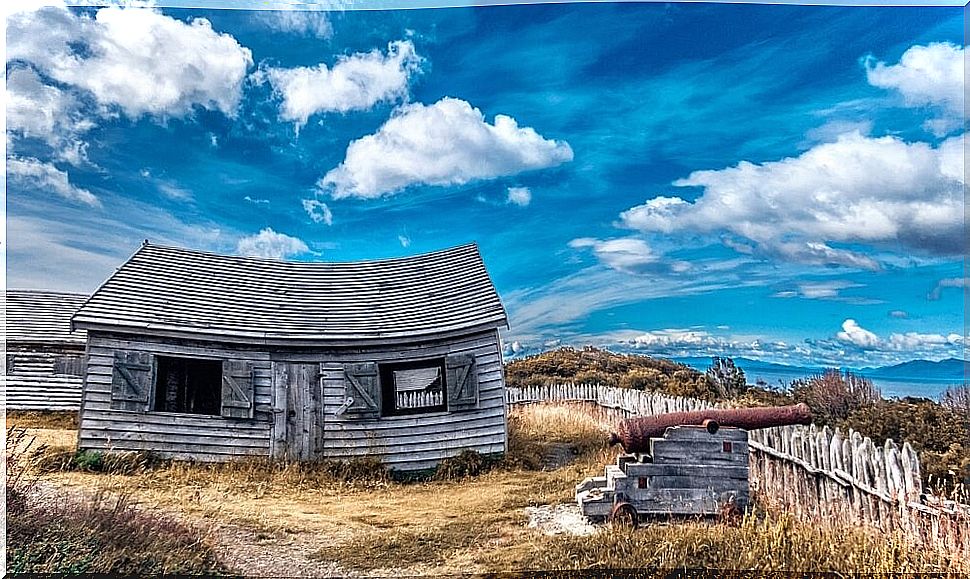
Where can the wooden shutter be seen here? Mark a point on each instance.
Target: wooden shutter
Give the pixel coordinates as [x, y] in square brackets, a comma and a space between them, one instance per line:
[462, 376]
[237, 389]
[131, 380]
[362, 388]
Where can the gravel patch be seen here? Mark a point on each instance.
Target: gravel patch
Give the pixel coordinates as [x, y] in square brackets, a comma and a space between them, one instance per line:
[560, 520]
[255, 554]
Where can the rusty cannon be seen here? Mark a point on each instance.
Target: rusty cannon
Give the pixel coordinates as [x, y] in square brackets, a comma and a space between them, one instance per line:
[634, 434]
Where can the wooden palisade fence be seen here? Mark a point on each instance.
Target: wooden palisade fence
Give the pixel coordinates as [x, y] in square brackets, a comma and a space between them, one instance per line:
[812, 472]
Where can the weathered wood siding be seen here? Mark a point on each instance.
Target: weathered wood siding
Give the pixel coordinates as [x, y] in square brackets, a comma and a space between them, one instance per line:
[184, 436]
[31, 383]
[415, 441]
[297, 394]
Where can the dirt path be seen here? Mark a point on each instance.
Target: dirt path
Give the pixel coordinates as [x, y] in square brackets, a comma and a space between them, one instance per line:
[256, 554]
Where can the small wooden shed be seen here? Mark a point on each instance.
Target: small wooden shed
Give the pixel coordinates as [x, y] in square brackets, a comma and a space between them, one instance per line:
[44, 357]
[203, 356]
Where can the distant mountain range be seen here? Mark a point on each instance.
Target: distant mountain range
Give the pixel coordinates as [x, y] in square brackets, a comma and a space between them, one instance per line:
[951, 370]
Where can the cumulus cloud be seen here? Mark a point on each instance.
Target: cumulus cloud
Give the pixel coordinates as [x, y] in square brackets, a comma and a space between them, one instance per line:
[855, 334]
[356, 82]
[914, 341]
[520, 196]
[680, 342]
[857, 189]
[39, 111]
[926, 76]
[268, 243]
[318, 211]
[134, 59]
[312, 23]
[951, 282]
[447, 143]
[45, 176]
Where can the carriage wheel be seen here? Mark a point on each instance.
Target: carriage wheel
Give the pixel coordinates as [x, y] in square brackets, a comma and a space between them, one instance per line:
[624, 515]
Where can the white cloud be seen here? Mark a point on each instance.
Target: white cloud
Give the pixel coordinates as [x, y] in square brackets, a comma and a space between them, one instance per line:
[312, 23]
[46, 176]
[173, 191]
[822, 290]
[318, 211]
[49, 243]
[136, 59]
[404, 240]
[950, 282]
[520, 196]
[898, 314]
[356, 82]
[256, 200]
[854, 190]
[39, 111]
[926, 76]
[914, 341]
[447, 143]
[268, 243]
[626, 254]
[855, 334]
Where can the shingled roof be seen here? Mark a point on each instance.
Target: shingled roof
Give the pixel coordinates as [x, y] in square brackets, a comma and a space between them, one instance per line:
[174, 291]
[38, 316]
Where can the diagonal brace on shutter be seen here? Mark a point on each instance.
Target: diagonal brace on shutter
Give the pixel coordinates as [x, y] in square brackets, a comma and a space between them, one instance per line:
[133, 390]
[361, 390]
[240, 398]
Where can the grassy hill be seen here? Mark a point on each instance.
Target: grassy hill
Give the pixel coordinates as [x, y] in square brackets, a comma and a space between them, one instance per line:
[595, 366]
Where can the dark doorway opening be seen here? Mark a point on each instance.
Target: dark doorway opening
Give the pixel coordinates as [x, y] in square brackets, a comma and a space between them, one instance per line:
[188, 385]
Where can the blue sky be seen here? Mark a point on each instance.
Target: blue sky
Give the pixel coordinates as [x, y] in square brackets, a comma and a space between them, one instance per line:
[778, 182]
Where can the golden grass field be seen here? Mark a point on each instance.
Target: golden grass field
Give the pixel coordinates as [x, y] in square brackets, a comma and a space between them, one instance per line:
[313, 522]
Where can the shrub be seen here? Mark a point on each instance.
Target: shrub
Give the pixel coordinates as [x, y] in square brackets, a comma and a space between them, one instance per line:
[728, 379]
[957, 398]
[61, 459]
[467, 463]
[833, 396]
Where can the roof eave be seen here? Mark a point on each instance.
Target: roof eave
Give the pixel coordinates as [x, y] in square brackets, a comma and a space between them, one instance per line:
[268, 339]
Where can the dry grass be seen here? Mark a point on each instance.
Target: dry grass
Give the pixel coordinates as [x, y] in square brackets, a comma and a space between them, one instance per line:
[52, 531]
[43, 419]
[366, 521]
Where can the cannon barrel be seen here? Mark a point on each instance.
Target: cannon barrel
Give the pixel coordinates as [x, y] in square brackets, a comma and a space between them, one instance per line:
[635, 433]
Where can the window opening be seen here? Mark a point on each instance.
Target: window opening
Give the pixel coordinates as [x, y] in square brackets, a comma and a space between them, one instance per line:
[188, 385]
[413, 387]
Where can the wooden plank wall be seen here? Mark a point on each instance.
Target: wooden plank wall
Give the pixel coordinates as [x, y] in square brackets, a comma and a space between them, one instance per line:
[183, 436]
[416, 441]
[32, 384]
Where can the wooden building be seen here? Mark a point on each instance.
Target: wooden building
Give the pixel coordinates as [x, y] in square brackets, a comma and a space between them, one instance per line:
[203, 356]
[44, 356]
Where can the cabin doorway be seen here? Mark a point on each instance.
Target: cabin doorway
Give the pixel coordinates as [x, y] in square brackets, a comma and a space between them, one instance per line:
[297, 386]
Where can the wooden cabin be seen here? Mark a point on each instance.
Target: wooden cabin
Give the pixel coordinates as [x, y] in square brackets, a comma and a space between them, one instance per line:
[196, 355]
[44, 356]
